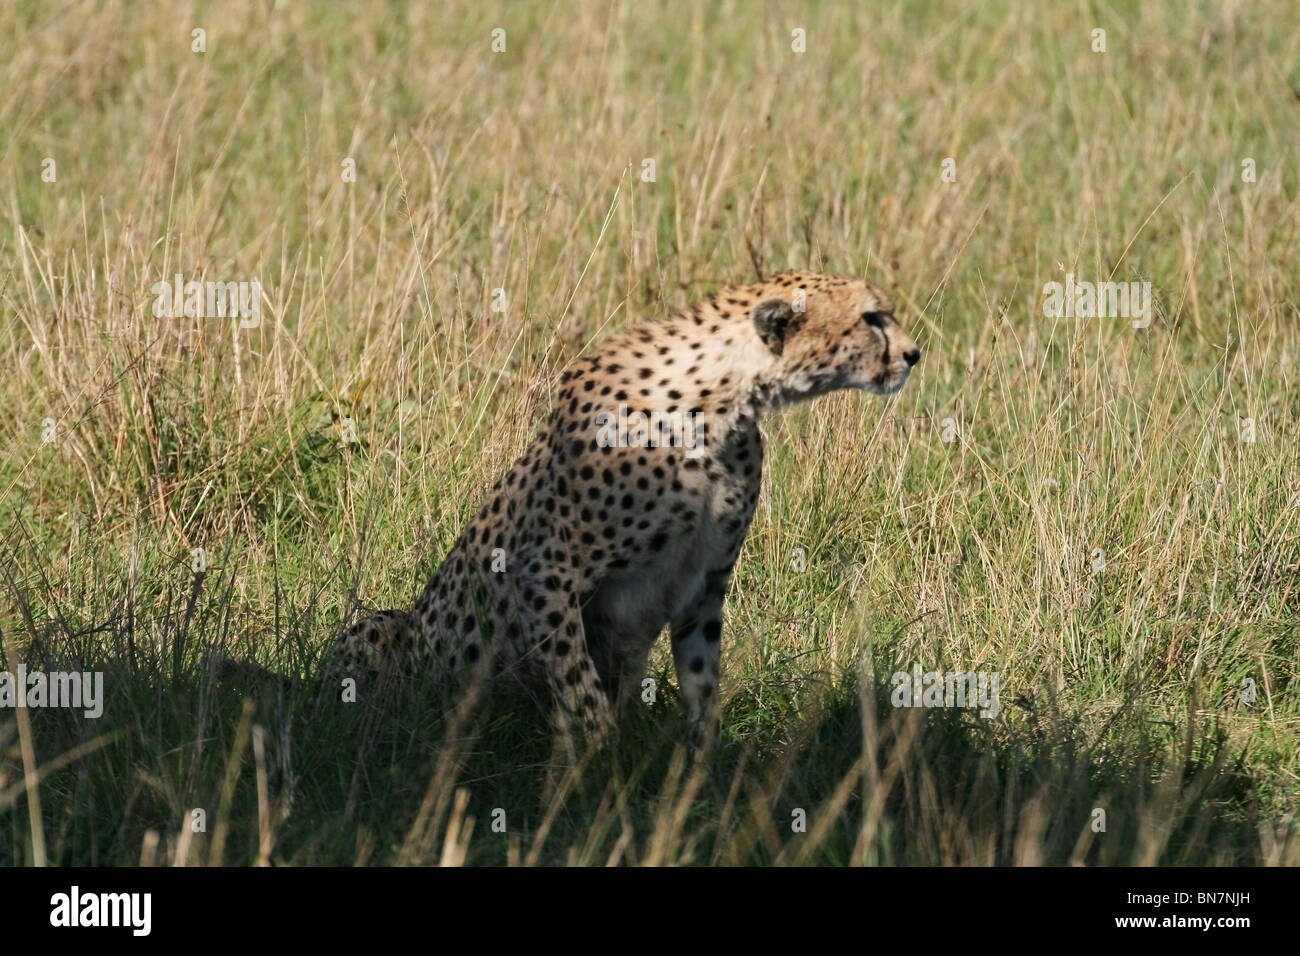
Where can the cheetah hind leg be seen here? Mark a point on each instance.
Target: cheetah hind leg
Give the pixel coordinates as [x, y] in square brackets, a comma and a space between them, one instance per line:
[374, 652]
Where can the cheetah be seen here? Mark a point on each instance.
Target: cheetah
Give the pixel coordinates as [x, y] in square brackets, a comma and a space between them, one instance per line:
[628, 511]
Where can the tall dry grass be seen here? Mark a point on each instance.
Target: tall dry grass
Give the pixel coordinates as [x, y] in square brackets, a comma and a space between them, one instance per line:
[522, 171]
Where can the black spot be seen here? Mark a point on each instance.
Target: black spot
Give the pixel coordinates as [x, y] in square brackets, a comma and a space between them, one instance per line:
[713, 631]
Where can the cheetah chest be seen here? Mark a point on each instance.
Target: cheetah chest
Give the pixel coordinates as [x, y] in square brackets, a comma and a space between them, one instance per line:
[630, 606]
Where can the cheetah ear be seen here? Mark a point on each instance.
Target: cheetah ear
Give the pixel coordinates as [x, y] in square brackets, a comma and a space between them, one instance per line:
[773, 319]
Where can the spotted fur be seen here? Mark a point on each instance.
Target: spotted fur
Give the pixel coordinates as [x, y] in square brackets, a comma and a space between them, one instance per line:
[585, 551]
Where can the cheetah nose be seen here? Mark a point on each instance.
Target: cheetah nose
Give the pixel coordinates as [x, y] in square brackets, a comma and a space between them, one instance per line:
[912, 356]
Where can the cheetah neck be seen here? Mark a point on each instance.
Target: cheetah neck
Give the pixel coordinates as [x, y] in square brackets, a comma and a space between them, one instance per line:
[756, 381]
[707, 361]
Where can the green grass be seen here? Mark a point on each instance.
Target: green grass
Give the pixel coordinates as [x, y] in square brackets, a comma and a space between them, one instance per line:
[1121, 690]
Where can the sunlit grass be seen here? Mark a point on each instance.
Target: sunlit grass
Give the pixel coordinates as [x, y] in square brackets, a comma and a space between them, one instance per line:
[1123, 689]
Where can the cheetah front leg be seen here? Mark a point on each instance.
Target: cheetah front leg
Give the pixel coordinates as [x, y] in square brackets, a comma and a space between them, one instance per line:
[579, 693]
[697, 648]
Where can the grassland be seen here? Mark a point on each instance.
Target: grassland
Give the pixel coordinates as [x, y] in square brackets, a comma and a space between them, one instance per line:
[1161, 689]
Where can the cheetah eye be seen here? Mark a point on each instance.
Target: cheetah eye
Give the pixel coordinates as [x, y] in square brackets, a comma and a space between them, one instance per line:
[874, 319]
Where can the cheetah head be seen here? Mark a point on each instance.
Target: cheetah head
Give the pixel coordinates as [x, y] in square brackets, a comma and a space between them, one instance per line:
[845, 337]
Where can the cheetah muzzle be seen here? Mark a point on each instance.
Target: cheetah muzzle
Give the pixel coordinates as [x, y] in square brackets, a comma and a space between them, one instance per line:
[627, 512]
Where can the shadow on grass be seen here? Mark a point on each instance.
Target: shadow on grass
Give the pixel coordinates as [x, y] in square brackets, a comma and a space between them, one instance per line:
[283, 772]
